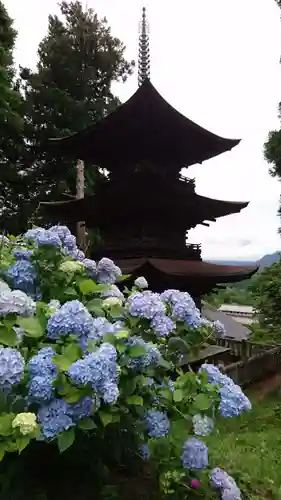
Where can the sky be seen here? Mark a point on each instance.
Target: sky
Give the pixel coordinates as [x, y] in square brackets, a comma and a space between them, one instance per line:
[217, 62]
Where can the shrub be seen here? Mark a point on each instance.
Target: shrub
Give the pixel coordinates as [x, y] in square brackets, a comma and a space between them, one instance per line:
[96, 373]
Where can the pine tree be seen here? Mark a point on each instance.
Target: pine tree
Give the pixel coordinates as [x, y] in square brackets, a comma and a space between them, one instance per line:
[12, 127]
[79, 59]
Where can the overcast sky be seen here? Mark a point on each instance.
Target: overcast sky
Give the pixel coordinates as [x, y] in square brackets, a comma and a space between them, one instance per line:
[218, 63]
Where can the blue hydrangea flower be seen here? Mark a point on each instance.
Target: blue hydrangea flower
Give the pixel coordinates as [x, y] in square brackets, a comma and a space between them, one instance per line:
[233, 401]
[202, 425]
[23, 276]
[150, 357]
[145, 305]
[91, 267]
[22, 253]
[16, 302]
[141, 283]
[4, 287]
[107, 271]
[195, 454]
[113, 291]
[163, 325]
[40, 236]
[220, 480]
[40, 389]
[71, 318]
[158, 424]
[84, 408]
[99, 369]
[55, 418]
[61, 231]
[42, 363]
[70, 243]
[100, 327]
[181, 303]
[78, 255]
[220, 331]
[144, 451]
[11, 367]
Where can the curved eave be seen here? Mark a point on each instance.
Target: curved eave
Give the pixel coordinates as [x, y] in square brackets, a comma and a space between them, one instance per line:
[190, 269]
[148, 128]
[95, 210]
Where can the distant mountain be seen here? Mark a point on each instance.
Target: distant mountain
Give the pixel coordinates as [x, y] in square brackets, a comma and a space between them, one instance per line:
[269, 259]
[265, 261]
[233, 262]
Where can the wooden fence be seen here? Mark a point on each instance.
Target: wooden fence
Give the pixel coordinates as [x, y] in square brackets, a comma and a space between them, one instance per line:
[256, 361]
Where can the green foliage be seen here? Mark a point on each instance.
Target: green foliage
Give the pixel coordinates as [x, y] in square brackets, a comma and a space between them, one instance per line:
[266, 290]
[79, 59]
[12, 191]
[231, 295]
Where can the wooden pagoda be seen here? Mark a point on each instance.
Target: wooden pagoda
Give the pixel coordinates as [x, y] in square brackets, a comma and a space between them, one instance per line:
[145, 208]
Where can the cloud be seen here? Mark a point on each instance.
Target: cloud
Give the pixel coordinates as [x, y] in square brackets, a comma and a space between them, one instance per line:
[218, 63]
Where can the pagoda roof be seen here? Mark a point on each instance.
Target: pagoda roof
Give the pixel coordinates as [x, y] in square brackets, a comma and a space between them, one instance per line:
[103, 211]
[146, 128]
[191, 269]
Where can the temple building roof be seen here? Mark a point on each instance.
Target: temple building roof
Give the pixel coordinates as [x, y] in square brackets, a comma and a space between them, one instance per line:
[189, 268]
[145, 128]
[102, 210]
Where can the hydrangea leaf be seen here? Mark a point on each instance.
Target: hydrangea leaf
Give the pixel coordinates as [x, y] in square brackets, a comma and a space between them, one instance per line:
[22, 442]
[66, 439]
[178, 395]
[105, 417]
[32, 327]
[2, 451]
[8, 336]
[202, 402]
[87, 424]
[6, 424]
[134, 400]
[62, 362]
[136, 351]
[95, 306]
[88, 287]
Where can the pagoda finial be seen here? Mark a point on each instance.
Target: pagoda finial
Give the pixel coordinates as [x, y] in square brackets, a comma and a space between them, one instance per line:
[144, 55]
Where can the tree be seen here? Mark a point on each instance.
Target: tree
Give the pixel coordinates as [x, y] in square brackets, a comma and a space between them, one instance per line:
[272, 147]
[266, 289]
[12, 128]
[70, 89]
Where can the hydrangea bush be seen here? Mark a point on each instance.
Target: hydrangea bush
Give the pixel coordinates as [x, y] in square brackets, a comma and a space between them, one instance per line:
[79, 357]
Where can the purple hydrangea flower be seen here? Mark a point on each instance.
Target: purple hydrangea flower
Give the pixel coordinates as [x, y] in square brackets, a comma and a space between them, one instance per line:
[163, 325]
[145, 305]
[158, 424]
[55, 418]
[195, 454]
[11, 367]
[16, 302]
[72, 318]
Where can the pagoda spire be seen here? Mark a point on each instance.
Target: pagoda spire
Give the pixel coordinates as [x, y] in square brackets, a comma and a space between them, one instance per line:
[144, 55]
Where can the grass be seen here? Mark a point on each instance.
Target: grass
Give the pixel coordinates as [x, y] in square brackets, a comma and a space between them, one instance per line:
[249, 448]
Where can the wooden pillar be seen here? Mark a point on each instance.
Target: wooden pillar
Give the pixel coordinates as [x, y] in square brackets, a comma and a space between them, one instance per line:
[80, 191]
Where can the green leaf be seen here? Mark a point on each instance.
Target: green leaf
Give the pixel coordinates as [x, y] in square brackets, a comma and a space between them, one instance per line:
[123, 277]
[135, 400]
[106, 418]
[87, 424]
[136, 351]
[122, 334]
[8, 336]
[2, 451]
[73, 396]
[165, 364]
[72, 352]
[95, 306]
[62, 362]
[66, 439]
[88, 287]
[70, 292]
[178, 395]
[202, 402]
[109, 337]
[22, 442]
[32, 327]
[6, 424]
